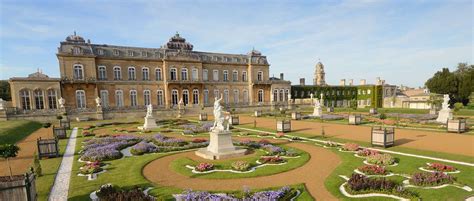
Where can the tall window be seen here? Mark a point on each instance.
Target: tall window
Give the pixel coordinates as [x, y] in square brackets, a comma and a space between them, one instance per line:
[226, 96]
[76, 50]
[206, 96]
[131, 73]
[260, 96]
[215, 75]
[195, 74]
[39, 99]
[158, 74]
[159, 97]
[78, 72]
[216, 93]
[195, 96]
[236, 96]
[244, 76]
[80, 99]
[282, 92]
[173, 75]
[133, 98]
[204, 75]
[145, 74]
[104, 97]
[184, 74]
[226, 76]
[235, 76]
[25, 99]
[102, 74]
[185, 97]
[174, 97]
[260, 76]
[246, 96]
[117, 73]
[146, 97]
[275, 95]
[119, 98]
[52, 102]
[286, 94]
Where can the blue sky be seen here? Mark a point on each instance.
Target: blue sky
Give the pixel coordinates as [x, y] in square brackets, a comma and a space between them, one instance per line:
[402, 41]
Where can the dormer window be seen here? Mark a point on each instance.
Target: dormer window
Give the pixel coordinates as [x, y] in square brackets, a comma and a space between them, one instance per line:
[76, 50]
[130, 53]
[116, 52]
[214, 58]
[144, 54]
[100, 51]
[227, 59]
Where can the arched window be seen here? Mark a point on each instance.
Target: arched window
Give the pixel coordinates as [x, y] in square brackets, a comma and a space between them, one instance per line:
[145, 73]
[226, 96]
[159, 96]
[25, 99]
[286, 94]
[52, 100]
[104, 97]
[131, 73]
[195, 74]
[146, 97]
[244, 76]
[204, 75]
[158, 74]
[206, 96]
[119, 98]
[235, 76]
[246, 96]
[102, 73]
[39, 99]
[275, 95]
[78, 72]
[259, 76]
[173, 75]
[216, 93]
[195, 96]
[215, 75]
[133, 98]
[226, 75]
[236, 96]
[260, 96]
[185, 97]
[282, 92]
[174, 97]
[117, 73]
[76, 50]
[80, 99]
[184, 74]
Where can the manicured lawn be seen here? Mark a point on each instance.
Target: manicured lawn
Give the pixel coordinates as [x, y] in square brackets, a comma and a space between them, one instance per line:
[13, 131]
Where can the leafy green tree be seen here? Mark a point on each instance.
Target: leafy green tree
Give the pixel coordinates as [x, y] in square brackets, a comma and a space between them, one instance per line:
[5, 90]
[7, 151]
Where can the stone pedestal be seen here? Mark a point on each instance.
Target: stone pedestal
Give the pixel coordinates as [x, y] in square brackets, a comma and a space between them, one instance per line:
[150, 123]
[444, 115]
[220, 147]
[318, 112]
[100, 115]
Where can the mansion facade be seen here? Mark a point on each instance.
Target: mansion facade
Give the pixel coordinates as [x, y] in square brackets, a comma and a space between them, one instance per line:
[133, 77]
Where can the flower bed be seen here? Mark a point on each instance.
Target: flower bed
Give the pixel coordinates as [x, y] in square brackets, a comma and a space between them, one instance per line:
[240, 165]
[106, 148]
[331, 144]
[143, 147]
[360, 184]
[273, 150]
[284, 193]
[190, 129]
[271, 160]
[198, 140]
[367, 152]
[161, 140]
[87, 133]
[431, 179]
[381, 159]
[202, 167]
[441, 167]
[90, 168]
[373, 170]
[350, 147]
[111, 193]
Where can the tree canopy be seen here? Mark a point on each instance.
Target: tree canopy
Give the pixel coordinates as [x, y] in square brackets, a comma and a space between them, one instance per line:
[5, 90]
[459, 84]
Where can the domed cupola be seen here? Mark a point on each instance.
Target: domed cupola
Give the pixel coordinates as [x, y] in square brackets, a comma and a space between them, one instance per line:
[178, 43]
[75, 38]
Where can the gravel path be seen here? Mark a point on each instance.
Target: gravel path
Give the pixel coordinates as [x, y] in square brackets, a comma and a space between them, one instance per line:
[60, 188]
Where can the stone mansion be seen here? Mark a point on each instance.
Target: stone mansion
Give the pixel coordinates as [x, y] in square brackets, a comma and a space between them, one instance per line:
[133, 77]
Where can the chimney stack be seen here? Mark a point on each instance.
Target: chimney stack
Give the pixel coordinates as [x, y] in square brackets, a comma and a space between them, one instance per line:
[351, 82]
[342, 82]
[363, 82]
[281, 76]
[302, 81]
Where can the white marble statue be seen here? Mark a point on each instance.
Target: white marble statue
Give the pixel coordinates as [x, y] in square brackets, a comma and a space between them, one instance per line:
[445, 113]
[289, 96]
[180, 104]
[150, 122]
[218, 115]
[61, 102]
[98, 102]
[317, 112]
[311, 96]
[322, 99]
[2, 104]
[149, 110]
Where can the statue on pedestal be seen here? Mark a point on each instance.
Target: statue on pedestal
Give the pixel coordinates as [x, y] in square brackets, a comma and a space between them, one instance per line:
[98, 102]
[218, 115]
[317, 112]
[149, 120]
[445, 113]
[61, 102]
[149, 110]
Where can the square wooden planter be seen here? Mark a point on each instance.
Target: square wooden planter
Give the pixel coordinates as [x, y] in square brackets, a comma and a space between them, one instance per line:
[296, 116]
[203, 117]
[234, 119]
[258, 113]
[47, 147]
[373, 111]
[283, 126]
[330, 109]
[65, 123]
[355, 119]
[382, 136]
[59, 132]
[21, 187]
[457, 125]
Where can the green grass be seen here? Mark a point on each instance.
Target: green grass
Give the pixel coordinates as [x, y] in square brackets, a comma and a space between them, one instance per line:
[13, 131]
[49, 168]
[292, 163]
